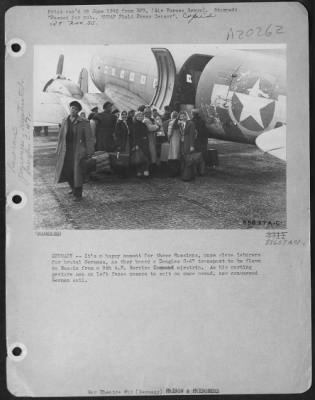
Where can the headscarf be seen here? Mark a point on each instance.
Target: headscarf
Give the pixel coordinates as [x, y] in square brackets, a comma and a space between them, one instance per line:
[174, 115]
[120, 117]
[137, 113]
[185, 112]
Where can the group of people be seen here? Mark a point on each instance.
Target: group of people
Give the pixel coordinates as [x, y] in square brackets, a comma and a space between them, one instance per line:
[138, 133]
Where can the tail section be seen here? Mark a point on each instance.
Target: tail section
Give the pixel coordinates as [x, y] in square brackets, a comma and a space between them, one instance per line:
[83, 80]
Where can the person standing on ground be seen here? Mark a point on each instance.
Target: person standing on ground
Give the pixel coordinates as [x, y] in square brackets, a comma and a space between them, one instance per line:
[167, 113]
[140, 140]
[201, 141]
[173, 134]
[121, 135]
[75, 144]
[187, 133]
[152, 129]
[187, 145]
[93, 122]
[106, 122]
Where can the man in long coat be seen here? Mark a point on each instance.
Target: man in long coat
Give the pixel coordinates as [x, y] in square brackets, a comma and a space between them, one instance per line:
[106, 122]
[75, 143]
[187, 132]
[201, 141]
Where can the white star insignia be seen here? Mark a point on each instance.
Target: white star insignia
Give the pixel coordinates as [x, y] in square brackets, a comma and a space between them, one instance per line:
[256, 91]
[252, 107]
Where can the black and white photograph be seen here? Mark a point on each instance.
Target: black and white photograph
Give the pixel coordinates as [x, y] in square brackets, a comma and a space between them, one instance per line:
[158, 200]
[160, 136]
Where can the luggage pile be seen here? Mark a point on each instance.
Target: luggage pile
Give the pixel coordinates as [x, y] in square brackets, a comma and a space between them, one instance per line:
[102, 161]
[99, 162]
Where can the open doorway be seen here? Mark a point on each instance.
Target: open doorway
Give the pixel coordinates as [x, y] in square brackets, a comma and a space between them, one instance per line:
[188, 78]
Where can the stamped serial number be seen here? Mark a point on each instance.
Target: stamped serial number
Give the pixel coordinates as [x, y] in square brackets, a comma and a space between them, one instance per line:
[257, 31]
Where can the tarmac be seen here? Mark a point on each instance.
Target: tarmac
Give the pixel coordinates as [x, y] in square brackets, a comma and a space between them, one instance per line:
[247, 190]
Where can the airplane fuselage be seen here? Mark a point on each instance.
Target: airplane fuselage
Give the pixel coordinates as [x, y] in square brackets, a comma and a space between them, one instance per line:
[240, 94]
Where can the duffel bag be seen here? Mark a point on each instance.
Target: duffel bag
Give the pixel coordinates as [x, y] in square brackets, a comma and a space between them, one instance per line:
[101, 156]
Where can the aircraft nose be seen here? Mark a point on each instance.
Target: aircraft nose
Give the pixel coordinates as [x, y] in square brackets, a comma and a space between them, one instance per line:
[57, 86]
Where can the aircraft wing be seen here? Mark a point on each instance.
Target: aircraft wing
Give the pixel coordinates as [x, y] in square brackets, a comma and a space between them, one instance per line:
[273, 142]
[49, 110]
[123, 98]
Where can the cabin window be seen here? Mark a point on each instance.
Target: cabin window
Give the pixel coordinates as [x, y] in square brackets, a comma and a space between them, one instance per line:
[122, 74]
[113, 71]
[143, 79]
[155, 81]
[132, 76]
[105, 69]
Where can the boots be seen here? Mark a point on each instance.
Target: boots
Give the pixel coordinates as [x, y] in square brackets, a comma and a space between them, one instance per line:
[77, 192]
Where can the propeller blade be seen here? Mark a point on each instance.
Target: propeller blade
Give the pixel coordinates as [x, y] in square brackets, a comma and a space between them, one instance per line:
[83, 80]
[60, 65]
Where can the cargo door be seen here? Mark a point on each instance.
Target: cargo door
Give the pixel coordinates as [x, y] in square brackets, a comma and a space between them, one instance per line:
[166, 78]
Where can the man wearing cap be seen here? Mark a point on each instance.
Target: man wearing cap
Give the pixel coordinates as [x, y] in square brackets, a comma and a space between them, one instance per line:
[105, 128]
[75, 143]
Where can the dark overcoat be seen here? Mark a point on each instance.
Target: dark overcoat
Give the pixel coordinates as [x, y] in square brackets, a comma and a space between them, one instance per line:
[189, 133]
[139, 137]
[201, 142]
[105, 130]
[82, 146]
[121, 136]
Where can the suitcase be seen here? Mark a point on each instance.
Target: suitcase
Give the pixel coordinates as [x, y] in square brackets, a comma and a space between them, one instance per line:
[212, 158]
[165, 147]
[119, 159]
[97, 163]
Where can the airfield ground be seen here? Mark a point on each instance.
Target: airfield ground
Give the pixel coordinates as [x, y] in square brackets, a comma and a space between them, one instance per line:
[248, 185]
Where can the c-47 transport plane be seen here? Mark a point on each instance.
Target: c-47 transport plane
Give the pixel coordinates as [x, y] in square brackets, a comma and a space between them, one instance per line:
[241, 94]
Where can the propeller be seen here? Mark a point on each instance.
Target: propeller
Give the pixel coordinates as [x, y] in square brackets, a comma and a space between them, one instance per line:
[60, 65]
[66, 87]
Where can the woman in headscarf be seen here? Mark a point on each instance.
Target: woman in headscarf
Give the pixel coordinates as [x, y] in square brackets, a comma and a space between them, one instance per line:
[152, 128]
[122, 133]
[140, 141]
[120, 160]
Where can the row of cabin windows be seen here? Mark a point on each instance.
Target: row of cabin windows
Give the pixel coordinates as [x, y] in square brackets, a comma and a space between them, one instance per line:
[132, 76]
